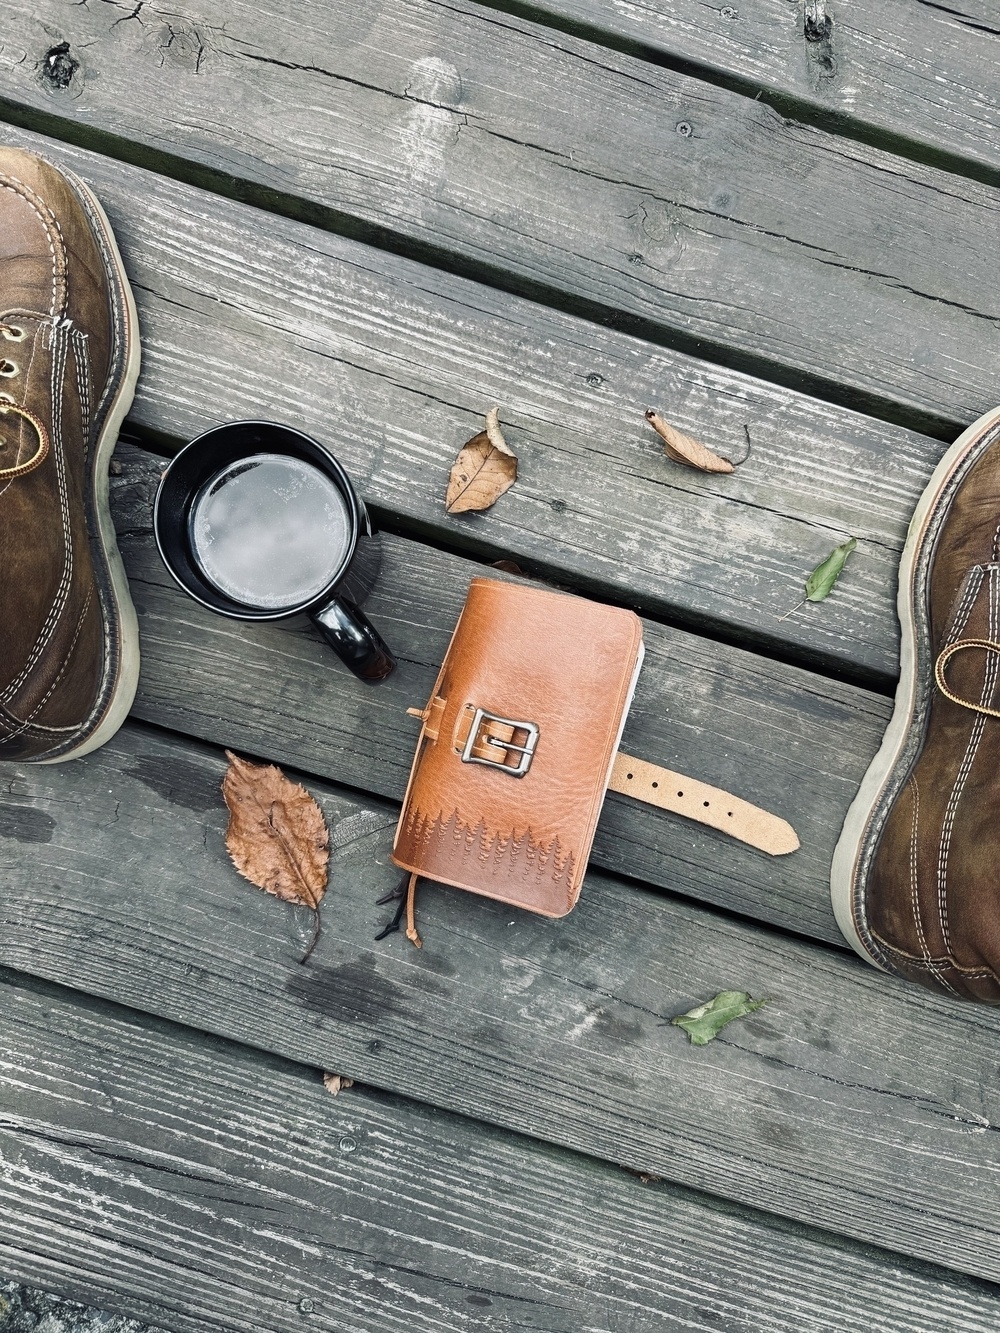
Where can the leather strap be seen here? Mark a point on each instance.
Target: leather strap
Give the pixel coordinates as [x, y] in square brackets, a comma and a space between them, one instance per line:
[708, 805]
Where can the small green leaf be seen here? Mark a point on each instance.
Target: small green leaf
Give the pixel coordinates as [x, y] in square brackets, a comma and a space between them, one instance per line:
[820, 582]
[706, 1022]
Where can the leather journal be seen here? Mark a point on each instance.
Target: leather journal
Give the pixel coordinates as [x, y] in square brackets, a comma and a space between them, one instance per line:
[519, 745]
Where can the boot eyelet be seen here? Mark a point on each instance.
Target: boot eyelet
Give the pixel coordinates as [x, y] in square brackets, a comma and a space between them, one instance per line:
[12, 332]
[8, 369]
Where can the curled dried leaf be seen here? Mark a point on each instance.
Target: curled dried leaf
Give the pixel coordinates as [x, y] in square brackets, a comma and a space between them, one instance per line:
[644, 1177]
[685, 449]
[483, 470]
[494, 432]
[277, 836]
[335, 1083]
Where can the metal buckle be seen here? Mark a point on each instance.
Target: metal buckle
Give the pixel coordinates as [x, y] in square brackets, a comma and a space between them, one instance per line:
[525, 751]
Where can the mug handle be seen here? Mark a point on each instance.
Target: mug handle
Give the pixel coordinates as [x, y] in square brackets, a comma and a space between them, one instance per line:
[354, 639]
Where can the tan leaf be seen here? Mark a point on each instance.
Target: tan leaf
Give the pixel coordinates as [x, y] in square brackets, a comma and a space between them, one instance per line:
[277, 836]
[483, 470]
[335, 1083]
[685, 449]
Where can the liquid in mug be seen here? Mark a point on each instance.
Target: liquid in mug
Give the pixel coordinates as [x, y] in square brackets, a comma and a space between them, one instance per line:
[270, 531]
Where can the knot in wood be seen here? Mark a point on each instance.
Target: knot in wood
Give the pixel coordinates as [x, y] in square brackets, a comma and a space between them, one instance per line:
[817, 23]
[58, 66]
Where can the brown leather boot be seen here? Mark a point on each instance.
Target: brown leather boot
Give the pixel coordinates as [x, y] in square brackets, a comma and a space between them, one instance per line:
[916, 873]
[69, 359]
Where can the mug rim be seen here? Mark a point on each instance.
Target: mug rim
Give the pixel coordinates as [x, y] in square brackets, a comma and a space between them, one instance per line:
[237, 610]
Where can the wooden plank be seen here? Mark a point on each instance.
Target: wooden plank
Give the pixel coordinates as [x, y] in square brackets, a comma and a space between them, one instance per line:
[920, 78]
[394, 364]
[853, 1102]
[202, 1185]
[582, 176]
[779, 736]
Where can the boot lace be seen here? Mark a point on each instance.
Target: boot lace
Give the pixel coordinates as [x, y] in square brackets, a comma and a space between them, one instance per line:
[945, 656]
[10, 369]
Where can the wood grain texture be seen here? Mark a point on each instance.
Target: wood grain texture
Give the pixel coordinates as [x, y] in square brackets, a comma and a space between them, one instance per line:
[571, 172]
[853, 1101]
[207, 1186]
[921, 76]
[780, 737]
[246, 315]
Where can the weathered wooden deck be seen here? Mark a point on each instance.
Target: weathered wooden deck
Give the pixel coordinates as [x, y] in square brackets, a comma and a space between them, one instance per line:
[374, 220]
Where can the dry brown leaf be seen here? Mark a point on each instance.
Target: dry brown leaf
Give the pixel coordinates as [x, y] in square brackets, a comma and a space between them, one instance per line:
[483, 470]
[684, 449]
[335, 1083]
[277, 836]
[508, 567]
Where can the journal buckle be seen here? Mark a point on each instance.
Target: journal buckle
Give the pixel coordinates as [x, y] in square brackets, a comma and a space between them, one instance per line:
[504, 748]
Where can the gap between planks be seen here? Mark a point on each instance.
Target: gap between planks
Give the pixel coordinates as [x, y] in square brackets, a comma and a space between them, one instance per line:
[894, 79]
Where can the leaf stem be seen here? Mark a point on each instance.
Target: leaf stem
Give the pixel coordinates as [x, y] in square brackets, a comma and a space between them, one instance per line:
[317, 927]
[738, 462]
[793, 610]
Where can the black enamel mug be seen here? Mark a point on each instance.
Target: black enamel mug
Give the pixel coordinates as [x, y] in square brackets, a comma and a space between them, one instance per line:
[258, 522]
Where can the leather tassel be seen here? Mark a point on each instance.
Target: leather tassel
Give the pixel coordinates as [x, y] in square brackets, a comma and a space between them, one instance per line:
[411, 917]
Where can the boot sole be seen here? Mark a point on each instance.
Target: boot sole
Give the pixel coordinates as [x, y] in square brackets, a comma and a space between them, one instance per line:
[890, 769]
[117, 599]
